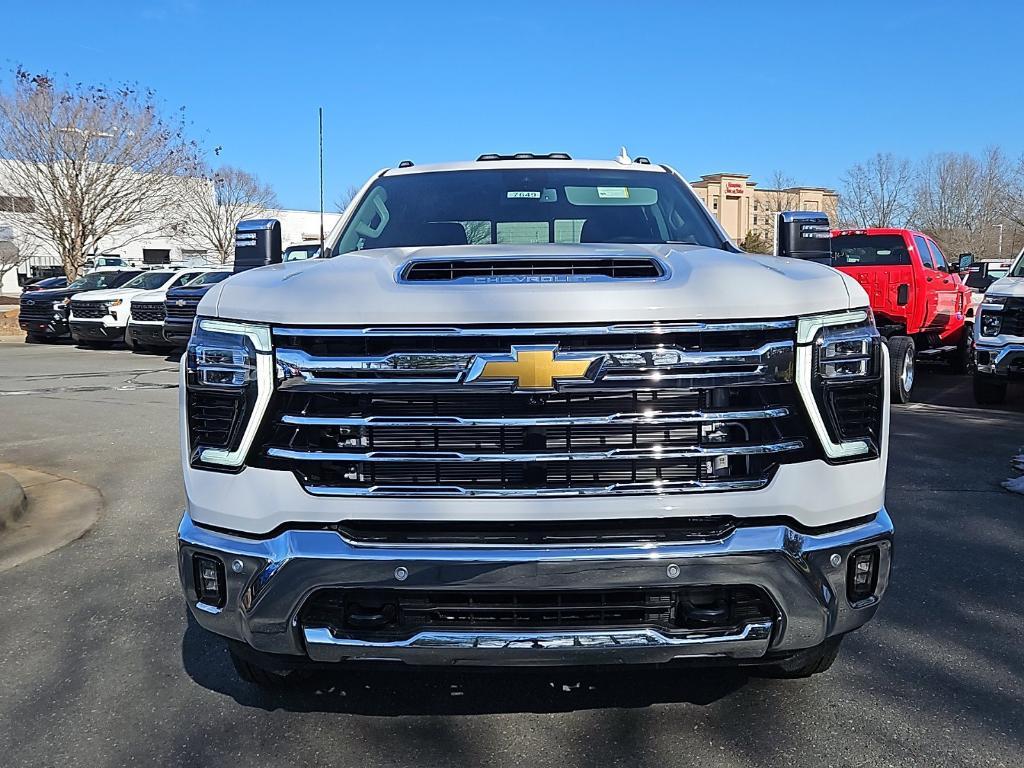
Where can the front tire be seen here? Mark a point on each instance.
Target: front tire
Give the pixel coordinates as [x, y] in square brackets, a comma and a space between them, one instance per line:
[902, 363]
[989, 390]
[261, 677]
[811, 662]
[962, 358]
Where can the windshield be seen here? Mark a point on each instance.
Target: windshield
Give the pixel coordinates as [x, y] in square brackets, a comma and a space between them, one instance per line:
[506, 206]
[149, 280]
[869, 251]
[209, 278]
[1018, 269]
[95, 281]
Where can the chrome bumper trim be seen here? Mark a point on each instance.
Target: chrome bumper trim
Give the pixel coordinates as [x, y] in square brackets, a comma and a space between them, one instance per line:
[276, 576]
[527, 648]
[630, 489]
[1004, 360]
[574, 330]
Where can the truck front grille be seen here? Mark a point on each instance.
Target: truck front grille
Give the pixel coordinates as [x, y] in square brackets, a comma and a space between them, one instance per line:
[36, 310]
[401, 613]
[1013, 317]
[90, 310]
[181, 309]
[691, 411]
[148, 311]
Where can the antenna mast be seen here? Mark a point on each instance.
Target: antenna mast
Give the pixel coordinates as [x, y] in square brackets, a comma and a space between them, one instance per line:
[321, 182]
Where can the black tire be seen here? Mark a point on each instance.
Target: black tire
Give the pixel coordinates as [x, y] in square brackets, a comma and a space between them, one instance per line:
[989, 390]
[902, 358]
[258, 676]
[813, 661]
[961, 360]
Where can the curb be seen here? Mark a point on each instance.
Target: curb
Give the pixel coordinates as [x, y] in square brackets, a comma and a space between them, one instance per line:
[12, 500]
[58, 511]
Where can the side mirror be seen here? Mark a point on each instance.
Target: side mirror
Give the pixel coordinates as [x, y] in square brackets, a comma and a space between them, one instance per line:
[966, 260]
[804, 235]
[257, 243]
[954, 269]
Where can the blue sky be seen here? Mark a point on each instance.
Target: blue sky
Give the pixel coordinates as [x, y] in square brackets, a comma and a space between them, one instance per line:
[703, 86]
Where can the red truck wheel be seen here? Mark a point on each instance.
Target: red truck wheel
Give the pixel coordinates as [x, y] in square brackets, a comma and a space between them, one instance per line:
[902, 356]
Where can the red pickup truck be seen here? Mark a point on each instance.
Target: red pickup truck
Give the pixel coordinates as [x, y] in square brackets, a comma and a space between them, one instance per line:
[918, 298]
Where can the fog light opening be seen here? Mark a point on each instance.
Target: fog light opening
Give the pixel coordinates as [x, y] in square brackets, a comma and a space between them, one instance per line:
[208, 575]
[862, 574]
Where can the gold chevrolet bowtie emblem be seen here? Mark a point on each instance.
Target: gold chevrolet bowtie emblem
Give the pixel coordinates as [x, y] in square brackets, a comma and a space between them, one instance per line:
[533, 367]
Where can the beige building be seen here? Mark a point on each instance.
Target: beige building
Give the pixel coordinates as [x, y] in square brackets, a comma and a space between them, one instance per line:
[742, 208]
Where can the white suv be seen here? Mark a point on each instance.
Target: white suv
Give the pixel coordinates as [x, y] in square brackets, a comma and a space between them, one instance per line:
[146, 312]
[102, 316]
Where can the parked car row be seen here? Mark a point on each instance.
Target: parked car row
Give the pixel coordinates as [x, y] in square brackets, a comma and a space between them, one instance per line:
[125, 305]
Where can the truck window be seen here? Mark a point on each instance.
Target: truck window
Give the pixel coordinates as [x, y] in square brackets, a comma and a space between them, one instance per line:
[922, 249]
[869, 251]
[560, 205]
[940, 260]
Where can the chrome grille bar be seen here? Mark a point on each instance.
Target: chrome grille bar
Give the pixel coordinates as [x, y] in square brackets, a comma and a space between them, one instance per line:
[653, 418]
[629, 454]
[433, 371]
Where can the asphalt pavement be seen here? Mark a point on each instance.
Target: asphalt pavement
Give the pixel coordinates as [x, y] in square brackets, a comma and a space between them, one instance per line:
[99, 665]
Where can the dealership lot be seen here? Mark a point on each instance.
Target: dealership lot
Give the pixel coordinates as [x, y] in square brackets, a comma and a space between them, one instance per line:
[101, 666]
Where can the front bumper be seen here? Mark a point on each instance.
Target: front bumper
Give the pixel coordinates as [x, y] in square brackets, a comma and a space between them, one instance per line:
[1005, 360]
[151, 334]
[269, 580]
[177, 333]
[96, 330]
[49, 328]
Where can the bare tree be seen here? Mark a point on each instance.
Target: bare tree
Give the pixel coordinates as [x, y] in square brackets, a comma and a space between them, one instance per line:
[89, 162]
[780, 195]
[877, 193]
[346, 198]
[214, 203]
[960, 198]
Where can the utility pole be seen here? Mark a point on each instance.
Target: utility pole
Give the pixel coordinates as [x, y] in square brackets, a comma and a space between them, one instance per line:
[1000, 227]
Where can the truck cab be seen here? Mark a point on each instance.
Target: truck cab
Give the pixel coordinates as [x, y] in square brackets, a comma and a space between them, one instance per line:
[920, 302]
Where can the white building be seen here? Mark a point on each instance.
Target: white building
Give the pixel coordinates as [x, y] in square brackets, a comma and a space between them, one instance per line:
[140, 246]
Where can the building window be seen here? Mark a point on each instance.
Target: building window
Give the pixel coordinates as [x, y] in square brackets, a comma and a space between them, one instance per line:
[714, 203]
[156, 256]
[755, 219]
[16, 204]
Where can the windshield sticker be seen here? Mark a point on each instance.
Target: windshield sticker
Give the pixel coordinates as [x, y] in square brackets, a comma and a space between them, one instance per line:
[613, 192]
[522, 195]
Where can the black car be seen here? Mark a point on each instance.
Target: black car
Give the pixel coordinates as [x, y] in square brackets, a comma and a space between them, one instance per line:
[46, 284]
[44, 314]
[181, 304]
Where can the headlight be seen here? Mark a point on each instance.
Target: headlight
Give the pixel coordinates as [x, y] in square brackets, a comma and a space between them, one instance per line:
[840, 377]
[991, 317]
[228, 379]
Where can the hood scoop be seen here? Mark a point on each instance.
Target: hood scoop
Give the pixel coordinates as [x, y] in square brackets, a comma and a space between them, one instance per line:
[532, 269]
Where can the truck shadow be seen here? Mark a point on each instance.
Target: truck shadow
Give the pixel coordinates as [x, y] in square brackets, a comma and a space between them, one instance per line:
[398, 691]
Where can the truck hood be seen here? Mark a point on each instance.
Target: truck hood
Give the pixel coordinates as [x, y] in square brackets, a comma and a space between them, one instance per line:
[1007, 286]
[158, 295]
[363, 288]
[109, 294]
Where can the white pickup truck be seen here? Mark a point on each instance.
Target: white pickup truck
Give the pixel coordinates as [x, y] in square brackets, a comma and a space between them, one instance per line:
[531, 410]
[102, 316]
[147, 312]
[999, 336]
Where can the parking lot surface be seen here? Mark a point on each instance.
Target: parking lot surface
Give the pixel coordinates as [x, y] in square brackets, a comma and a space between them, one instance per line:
[101, 667]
